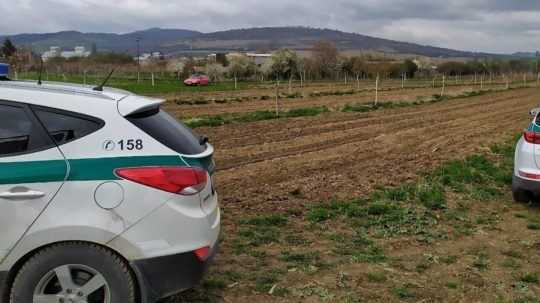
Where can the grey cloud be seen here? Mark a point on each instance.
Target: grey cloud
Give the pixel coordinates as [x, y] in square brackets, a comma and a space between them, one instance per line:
[486, 25]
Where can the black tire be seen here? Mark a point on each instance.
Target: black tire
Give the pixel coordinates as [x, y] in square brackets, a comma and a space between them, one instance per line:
[84, 262]
[521, 196]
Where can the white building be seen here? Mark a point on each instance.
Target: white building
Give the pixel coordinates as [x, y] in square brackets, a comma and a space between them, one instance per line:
[259, 59]
[149, 56]
[56, 52]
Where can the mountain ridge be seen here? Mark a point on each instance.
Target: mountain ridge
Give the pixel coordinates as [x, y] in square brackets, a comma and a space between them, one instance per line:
[178, 41]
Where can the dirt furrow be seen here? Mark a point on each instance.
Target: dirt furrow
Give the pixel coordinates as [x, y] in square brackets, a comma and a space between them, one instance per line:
[392, 154]
[249, 154]
[187, 111]
[284, 130]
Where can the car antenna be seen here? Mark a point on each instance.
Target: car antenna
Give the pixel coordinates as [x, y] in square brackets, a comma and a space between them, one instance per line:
[39, 82]
[100, 87]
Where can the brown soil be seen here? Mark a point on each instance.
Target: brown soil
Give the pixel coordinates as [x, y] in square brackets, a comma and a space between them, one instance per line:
[348, 154]
[282, 165]
[394, 95]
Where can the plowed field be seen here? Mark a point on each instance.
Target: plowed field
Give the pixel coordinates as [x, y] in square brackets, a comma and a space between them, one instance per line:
[394, 95]
[471, 251]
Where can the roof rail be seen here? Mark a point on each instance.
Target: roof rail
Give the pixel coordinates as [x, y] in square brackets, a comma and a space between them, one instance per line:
[63, 88]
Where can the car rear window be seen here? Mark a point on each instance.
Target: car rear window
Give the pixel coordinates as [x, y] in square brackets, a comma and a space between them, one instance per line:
[19, 134]
[65, 126]
[168, 131]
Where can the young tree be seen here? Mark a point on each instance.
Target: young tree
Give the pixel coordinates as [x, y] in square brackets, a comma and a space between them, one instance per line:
[221, 58]
[241, 67]
[8, 49]
[284, 64]
[358, 68]
[189, 68]
[215, 71]
[325, 56]
[409, 68]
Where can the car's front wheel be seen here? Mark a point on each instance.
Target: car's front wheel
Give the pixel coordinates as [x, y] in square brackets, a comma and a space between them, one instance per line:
[74, 273]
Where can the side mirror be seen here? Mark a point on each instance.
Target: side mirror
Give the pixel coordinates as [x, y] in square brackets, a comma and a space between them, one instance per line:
[534, 111]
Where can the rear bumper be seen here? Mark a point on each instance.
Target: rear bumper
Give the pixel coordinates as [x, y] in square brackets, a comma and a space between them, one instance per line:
[162, 277]
[526, 185]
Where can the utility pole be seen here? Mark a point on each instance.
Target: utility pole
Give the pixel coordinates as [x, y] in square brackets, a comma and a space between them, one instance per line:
[537, 58]
[138, 60]
[377, 90]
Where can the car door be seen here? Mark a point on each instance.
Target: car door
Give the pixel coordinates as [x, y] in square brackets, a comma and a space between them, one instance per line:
[32, 170]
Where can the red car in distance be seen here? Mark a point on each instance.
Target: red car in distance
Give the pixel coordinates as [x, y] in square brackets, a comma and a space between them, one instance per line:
[197, 80]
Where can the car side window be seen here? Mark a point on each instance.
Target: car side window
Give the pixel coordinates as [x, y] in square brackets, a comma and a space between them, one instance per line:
[19, 133]
[65, 126]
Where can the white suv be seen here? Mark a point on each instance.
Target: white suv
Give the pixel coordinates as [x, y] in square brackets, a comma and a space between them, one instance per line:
[526, 178]
[104, 197]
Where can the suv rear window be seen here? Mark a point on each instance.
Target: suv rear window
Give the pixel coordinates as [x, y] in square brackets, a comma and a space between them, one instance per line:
[168, 131]
[64, 126]
[19, 132]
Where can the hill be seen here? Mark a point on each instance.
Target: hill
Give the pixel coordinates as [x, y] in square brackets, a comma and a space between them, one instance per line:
[176, 41]
[151, 39]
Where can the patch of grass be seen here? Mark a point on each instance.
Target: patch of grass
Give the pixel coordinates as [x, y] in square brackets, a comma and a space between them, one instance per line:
[376, 276]
[368, 107]
[258, 254]
[281, 292]
[452, 285]
[533, 226]
[448, 260]
[432, 196]
[260, 236]
[218, 120]
[510, 263]
[372, 254]
[513, 253]
[271, 220]
[300, 259]
[327, 211]
[359, 249]
[265, 281]
[381, 208]
[531, 278]
[481, 262]
[295, 239]
[404, 293]
[258, 231]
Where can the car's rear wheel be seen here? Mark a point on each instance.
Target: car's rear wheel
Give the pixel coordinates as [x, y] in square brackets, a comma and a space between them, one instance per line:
[521, 196]
[74, 273]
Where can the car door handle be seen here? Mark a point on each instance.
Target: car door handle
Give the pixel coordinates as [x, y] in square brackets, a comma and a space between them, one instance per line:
[22, 195]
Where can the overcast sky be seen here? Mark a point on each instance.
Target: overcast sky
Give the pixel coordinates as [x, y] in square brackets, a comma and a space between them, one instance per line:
[478, 25]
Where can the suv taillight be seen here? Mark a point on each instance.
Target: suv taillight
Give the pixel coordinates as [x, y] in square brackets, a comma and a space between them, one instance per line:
[185, 181]
[532, 137]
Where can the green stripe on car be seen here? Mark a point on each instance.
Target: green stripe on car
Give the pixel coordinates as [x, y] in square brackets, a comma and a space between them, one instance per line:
[534, 128]
[80, 169]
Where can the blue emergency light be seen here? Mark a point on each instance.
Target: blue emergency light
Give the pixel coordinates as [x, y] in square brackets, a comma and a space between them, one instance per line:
[4, 70]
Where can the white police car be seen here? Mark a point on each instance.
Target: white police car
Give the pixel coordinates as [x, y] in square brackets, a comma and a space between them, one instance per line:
[104, 197]
[526, 178]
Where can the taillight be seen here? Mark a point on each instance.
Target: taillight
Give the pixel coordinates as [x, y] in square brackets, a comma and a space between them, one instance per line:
[202, 253]
[532, 137]
[529, 175]
[185, 181]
